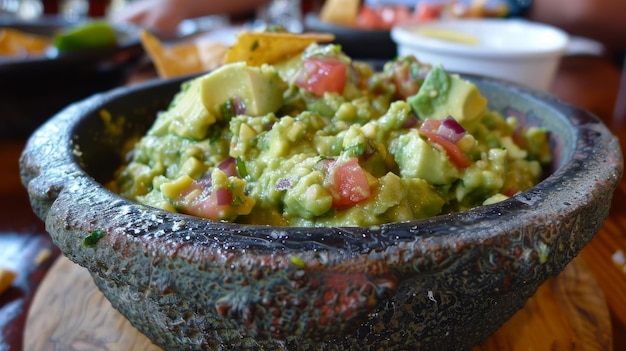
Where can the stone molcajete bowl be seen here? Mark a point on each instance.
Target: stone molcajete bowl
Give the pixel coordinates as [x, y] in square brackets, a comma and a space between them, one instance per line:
[444, 283]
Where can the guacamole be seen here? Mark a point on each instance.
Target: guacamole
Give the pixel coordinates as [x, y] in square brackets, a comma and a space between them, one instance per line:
[321, 140]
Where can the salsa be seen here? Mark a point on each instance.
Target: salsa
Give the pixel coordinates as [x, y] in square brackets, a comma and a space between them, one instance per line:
[321, 140]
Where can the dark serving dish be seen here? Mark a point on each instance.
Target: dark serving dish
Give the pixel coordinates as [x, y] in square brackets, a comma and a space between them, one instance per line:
[34, 88]
[444, 283]
[356, 42]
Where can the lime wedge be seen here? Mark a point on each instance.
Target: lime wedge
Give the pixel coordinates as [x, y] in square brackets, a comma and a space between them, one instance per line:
[93, 35]
[449, 35]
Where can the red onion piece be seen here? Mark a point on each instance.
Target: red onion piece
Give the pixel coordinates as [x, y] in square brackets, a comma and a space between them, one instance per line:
[224, 197]
[229, 167]
[239, 106]
[451, 129]
[283, 184]
[410, 122]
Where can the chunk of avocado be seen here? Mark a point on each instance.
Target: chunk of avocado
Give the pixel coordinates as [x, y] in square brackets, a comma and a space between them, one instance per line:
[288, 69]
[259, 90]
[417, 158]
[186, 116]
[444, 94]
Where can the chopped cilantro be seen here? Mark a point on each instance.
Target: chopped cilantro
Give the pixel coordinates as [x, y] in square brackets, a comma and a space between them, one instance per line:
[93, 237]
[356, 150]
[241, 167]
[237, 201]
[227, 109]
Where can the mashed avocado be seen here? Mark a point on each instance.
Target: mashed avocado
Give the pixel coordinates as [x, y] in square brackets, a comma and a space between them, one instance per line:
[321, 140]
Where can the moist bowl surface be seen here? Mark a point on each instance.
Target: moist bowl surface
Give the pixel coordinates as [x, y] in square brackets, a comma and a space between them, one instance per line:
[442, 283]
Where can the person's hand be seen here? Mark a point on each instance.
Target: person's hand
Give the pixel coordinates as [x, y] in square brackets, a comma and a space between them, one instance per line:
[161, 17]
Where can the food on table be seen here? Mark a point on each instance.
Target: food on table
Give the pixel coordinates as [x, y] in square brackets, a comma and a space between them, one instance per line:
[6, 279]
[182, 58]
[318, 139]
[449, 35]
[343, 12]
[258, 47]
[18, 44]
[385, 16]
[42, 256]
[89, 36]
[202, 55]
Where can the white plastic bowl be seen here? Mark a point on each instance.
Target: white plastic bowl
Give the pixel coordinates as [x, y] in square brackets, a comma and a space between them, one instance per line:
[516, 50]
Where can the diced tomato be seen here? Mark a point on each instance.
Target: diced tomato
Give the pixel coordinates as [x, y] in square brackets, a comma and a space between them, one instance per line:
[348, 183]
[518, 137]
[454, 153]
[510, 191]
[394, 14]
[213, 206]
[425, 12]
[405, 86]
[383, 17]
[322, 74]
[198, 199]
[430, 125]
[407, 74]
[401, 14]
[368, 18]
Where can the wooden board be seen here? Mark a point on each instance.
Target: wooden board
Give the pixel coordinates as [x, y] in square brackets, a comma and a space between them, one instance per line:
[69, 313]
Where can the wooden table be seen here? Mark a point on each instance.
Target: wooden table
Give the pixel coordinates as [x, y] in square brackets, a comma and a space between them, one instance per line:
[588, 82]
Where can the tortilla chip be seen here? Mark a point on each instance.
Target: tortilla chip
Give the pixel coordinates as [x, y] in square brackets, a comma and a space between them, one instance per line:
[211, 53]
[183, 58]
[257, 48]
[16, 43]
[343, 12]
